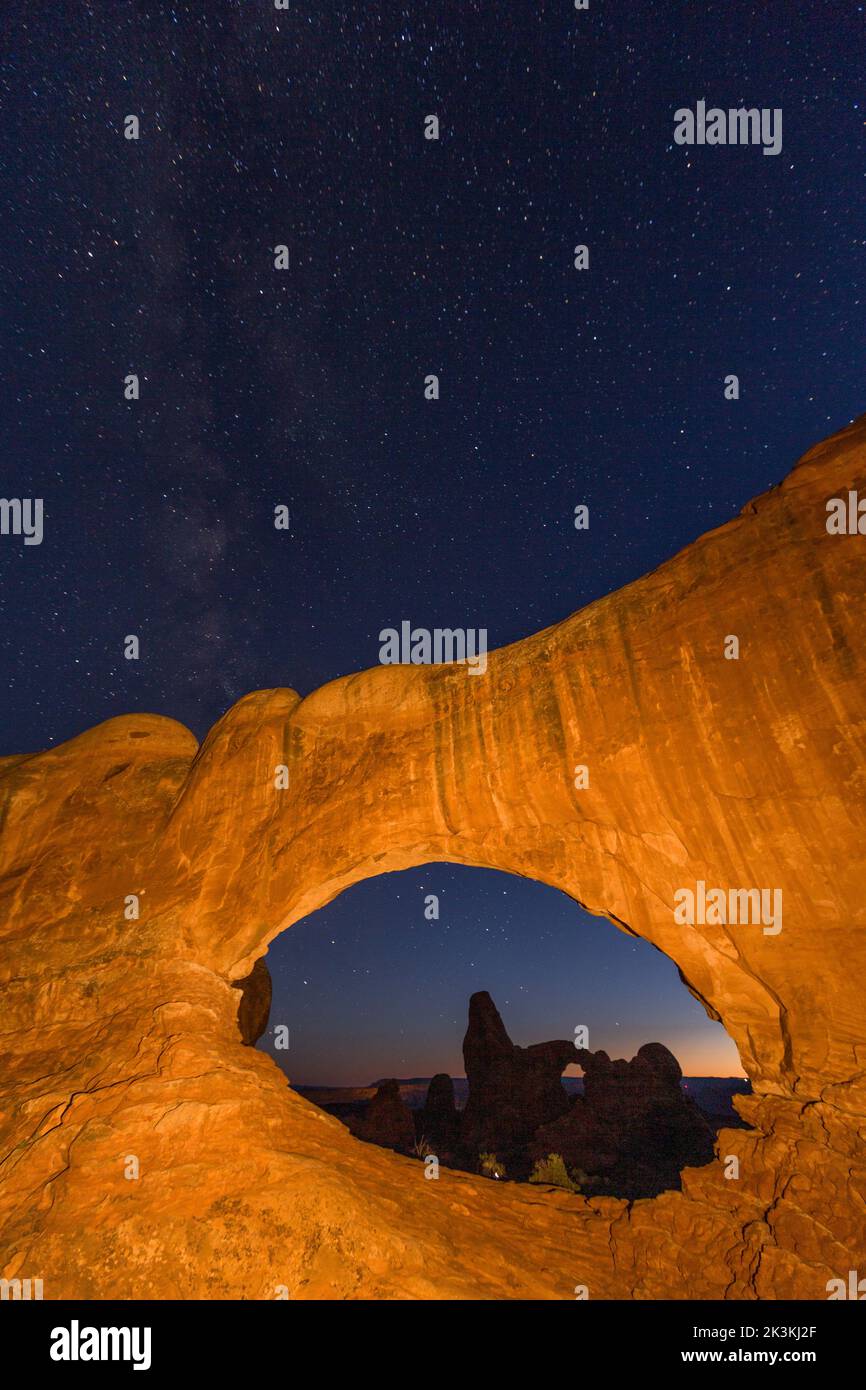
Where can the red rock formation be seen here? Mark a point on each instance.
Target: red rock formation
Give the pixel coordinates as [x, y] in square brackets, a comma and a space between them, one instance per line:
[633, 1129]
[120, 1037]
[512, 1090]
[438, 1122]
[386, 1120]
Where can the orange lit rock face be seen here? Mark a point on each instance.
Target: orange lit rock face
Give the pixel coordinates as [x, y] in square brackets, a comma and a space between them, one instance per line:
[120, 1037]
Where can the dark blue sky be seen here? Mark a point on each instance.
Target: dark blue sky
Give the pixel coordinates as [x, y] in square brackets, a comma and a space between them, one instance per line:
[407, 257]
[369, 988]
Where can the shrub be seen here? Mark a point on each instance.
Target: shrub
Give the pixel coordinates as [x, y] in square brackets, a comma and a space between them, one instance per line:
[490, 1166]
[552, 1172]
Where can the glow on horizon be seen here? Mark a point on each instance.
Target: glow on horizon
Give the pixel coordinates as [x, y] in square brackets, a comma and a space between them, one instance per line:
[697, 1056]
[370, 988]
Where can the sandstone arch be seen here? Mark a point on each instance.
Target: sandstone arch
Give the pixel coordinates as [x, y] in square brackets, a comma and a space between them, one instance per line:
[120, 1036]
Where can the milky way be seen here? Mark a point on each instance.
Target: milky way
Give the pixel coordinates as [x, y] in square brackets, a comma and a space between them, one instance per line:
[407, 257]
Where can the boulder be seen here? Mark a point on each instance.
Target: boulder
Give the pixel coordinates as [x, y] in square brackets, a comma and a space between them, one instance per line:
[255, 1006]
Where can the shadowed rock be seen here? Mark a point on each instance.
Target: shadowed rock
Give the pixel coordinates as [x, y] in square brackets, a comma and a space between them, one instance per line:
[438, 1122]
[386, 1121]
[633, 1128]
[255, 1006]
[512, 1090]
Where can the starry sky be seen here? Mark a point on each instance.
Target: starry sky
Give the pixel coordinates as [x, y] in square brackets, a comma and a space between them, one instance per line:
[305, 387]
[369, 988]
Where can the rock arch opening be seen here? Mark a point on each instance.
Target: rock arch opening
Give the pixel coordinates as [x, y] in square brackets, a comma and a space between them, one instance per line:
[384, 1016]
[740, 774]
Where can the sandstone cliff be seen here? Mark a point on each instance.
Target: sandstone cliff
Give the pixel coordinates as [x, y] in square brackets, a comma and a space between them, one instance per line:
[121, 1049]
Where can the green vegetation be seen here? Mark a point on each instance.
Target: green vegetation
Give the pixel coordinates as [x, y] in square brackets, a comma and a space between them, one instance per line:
[490, 1166]
[552, 1172]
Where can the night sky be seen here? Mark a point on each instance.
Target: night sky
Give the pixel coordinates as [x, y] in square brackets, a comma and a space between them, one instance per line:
[305, 387]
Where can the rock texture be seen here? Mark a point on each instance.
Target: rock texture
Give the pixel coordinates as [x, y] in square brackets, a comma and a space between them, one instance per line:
[512, 1090]
[633, 1129]
[120, 1038]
